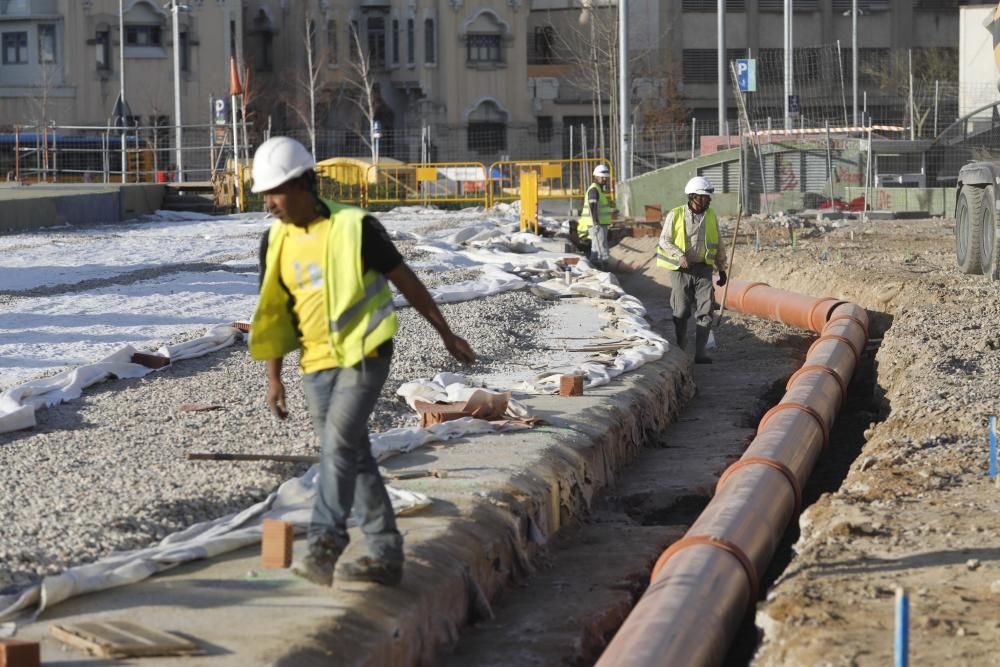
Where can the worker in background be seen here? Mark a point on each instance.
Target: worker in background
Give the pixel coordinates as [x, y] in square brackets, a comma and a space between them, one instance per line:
[595, 217]
[325, 270]
[691, 248]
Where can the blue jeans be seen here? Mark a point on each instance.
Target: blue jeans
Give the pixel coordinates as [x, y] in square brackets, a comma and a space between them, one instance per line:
[340, 401]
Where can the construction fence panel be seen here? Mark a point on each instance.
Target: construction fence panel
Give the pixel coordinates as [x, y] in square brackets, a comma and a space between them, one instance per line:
[445, 184]
[557, 179]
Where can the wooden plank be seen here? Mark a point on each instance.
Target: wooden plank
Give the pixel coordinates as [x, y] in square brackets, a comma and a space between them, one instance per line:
[122, 639]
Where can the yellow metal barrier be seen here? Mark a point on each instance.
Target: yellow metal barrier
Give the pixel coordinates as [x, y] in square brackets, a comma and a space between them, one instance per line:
[529, 199]
[428, 183]
[344, 183]
[557, 179]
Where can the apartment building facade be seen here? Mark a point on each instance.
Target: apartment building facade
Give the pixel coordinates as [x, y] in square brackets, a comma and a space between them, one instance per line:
[60, 60]
[485, 78]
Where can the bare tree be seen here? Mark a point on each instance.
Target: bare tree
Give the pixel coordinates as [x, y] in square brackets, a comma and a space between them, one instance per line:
[929, 65]
[363, 89]
[308, 84]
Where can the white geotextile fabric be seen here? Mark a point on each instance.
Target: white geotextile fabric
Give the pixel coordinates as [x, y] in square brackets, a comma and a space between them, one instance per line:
[292, 502]
[508, 259]
[18, 404]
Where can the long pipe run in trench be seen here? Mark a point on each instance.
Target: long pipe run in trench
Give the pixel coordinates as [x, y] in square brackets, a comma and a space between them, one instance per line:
[703, 585]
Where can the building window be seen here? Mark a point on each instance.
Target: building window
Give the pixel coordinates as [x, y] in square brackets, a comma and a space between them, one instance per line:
[376, 41]
[15, 48]
[185, 52]
[411, 42]
[543, 46]
[143, 35]
[430, 56]
[103, 50]
[487, 129]
[395, 41]
[331, 42]
[47, 44]
[701, 65]
[483, 49]
[712, 6]
[546, 129]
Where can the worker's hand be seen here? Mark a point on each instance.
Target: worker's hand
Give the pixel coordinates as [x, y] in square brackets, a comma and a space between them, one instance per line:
[276, 399]
[684, 262]
[722, 278]
[459, 348]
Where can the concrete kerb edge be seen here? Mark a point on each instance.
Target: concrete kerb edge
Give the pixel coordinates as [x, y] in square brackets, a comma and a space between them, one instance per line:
[493, 541]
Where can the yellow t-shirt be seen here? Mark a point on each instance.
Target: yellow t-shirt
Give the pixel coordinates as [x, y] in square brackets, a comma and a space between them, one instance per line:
[301, 263]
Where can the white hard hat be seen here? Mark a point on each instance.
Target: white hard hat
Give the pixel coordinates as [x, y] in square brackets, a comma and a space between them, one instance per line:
[602, 170]
[279, 160]
[699, 185]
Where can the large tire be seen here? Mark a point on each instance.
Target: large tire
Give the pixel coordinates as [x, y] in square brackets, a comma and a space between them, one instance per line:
[991, 256]
[969, 230]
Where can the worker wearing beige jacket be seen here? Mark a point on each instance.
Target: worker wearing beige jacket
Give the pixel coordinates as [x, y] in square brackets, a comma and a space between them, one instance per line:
[690, 247]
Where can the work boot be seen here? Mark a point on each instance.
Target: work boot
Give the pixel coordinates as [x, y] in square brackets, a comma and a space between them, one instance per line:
[681, 331]
[366, 568]
[700, 341]
[318, 564]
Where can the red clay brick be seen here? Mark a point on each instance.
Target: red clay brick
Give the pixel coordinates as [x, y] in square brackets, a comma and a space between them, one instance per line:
[276, 543]
[571, 385]
[18, 653]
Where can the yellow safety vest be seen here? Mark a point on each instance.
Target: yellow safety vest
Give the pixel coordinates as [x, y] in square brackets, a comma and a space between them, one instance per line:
[358, 303]
[603, 212]
[679, 239]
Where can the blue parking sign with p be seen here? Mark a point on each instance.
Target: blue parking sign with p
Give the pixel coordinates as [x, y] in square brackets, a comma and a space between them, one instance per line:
[746, 75]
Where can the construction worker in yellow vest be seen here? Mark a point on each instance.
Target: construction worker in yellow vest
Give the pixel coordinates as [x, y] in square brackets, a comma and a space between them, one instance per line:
[595, 217]
[325, 270]
[691, 248]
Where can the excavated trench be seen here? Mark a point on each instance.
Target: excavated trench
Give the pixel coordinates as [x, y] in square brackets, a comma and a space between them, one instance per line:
[569, 610]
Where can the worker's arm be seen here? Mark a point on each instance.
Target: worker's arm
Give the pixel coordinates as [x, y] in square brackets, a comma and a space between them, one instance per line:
[667, 241]
[276, 389]
[418, 296]
[720, 256]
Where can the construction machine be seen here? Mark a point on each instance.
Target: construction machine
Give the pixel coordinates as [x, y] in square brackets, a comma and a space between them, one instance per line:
[977, 203]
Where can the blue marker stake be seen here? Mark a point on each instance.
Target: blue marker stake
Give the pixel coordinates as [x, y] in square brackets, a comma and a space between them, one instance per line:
[902, 628]
[993, 447]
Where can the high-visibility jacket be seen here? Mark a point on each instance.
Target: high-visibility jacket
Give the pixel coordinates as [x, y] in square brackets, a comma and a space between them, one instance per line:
[679, 239]
[358, 303]
[603, 212]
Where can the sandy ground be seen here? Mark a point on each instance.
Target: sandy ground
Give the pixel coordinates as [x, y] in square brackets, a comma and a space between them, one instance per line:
[916, 508]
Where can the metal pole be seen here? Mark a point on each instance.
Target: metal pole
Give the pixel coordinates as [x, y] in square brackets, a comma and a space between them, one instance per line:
[788, 63]
[694, 133]
[723, 74]
[854, 57]
[178, 130]
[625, 171]
[909, 58]
[829, 163]
[937, 91]
[121, 81]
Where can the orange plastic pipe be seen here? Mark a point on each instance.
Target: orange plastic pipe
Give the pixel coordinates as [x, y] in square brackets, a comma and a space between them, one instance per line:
[703, 585]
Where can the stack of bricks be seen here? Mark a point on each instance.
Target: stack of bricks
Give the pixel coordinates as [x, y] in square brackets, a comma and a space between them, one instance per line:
[277, 538]
[571, 385]
[17, 653]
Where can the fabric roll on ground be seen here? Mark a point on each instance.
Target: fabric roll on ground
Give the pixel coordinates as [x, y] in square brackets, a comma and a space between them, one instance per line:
[291, 502]
[18, 404]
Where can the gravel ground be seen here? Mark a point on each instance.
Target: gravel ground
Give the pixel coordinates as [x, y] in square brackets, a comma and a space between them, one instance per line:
[107, 472]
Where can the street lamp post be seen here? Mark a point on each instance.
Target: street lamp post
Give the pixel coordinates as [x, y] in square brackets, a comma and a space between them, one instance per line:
[624, 166]
[121, 78]
[176, 7]
[721, 63]
[788, 63]
[854, 58]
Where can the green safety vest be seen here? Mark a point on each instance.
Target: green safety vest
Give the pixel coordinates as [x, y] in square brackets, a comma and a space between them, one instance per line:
[358, 303]
[680, 240]
[603, 212]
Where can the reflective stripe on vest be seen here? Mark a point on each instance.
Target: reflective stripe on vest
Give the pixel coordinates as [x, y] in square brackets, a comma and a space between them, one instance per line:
[358, 303]
[679, 239]
[603, 211]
